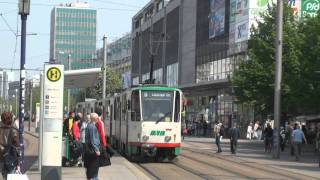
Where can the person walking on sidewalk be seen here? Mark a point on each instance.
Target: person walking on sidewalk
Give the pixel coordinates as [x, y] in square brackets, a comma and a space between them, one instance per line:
[297, 137]
[218, 133]
[92, 149]
[268, 138]
[9, 145]
[234, 136]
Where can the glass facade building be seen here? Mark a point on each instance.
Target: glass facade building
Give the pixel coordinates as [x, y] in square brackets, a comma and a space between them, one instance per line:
[73, 34]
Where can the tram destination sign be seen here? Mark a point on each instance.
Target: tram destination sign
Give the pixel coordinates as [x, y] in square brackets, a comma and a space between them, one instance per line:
[157, 94]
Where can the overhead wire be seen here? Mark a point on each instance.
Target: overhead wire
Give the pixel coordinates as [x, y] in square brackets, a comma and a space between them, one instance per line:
[16, 43]
[53, 5]
[7, 24]
[117, 3]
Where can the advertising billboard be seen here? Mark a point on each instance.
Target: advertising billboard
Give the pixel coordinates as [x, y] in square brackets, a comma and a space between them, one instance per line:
[216, 18]
[242, 20]
[309, 8]
[126, 80]
[295, 6]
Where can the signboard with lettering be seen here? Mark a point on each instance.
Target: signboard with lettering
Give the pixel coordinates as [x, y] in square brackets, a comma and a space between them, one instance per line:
[310, 8]
[52, 121]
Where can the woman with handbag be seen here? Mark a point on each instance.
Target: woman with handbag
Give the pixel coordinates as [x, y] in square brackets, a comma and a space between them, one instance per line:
[92, 149]
[9, 145]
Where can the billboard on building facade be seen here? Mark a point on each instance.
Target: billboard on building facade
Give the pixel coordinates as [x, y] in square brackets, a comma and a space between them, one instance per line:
[295, 6]
[216, 18]
[309, 8]
[126, 80]
[242, 21]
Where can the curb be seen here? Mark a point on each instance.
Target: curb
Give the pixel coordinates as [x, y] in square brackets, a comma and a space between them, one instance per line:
[31, 134]
[135, 170]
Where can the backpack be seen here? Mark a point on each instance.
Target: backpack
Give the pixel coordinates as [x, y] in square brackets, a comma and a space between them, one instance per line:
[10, 154]
[221, 130]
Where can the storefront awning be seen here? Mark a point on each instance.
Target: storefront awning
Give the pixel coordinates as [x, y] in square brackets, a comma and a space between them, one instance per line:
[209, 88]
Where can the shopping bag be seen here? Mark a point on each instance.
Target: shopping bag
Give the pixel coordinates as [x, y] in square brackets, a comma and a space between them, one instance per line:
[104, 158]
[17, 177]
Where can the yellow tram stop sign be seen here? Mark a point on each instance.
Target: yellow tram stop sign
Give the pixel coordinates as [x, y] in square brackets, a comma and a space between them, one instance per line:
[53, 74]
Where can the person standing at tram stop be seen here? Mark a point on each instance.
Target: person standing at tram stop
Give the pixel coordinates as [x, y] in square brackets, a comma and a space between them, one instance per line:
[218, 133]
[100, 128]
[69, 123]
[83, 128]
[9, 136]
[92, 148]
[234, 133]
[297, 138]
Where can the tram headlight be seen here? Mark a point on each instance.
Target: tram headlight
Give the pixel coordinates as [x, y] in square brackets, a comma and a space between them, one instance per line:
[167, 138]
[145, 138]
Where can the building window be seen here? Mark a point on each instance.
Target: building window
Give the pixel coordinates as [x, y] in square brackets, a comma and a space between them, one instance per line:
[172, 75]
[157, 75]
[217, 70]
[145, 77]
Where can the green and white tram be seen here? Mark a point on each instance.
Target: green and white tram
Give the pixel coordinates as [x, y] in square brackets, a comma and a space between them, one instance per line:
[144, 121]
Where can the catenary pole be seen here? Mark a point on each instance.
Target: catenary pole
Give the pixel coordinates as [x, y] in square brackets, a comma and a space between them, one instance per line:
[278, 75]
[22, 89]
[30, 106]
[69, 68]
[104, 69]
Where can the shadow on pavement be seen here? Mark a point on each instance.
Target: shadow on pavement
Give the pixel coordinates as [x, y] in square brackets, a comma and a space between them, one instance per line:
[29, 162]
[311, 168]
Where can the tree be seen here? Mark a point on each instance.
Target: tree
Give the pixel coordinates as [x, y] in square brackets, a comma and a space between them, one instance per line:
[36, 95]
[254, 80]
[310, 60]
[113, 85]
[113, 82]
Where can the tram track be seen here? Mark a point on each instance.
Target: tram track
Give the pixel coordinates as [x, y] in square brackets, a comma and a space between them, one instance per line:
[237, 163]
[171, 170]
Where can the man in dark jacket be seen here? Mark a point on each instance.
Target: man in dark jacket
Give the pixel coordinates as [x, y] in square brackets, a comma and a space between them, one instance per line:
[234, 136]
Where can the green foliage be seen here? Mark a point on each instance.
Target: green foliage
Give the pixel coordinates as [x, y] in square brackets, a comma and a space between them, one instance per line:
[310, 62]
[254, 80]
[113, 85]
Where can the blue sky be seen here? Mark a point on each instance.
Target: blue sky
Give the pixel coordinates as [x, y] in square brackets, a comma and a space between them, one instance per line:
[114, 19]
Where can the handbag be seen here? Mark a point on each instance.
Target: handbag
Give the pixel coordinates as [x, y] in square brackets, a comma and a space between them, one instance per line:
[104, 158]
[17, 175]
[110, 151]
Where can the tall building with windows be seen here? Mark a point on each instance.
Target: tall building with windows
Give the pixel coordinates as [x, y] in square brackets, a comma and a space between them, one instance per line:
[119, 58]
[73, 35]
[4, 85]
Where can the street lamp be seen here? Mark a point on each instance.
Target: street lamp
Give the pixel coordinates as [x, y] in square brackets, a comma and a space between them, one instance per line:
[24, 9]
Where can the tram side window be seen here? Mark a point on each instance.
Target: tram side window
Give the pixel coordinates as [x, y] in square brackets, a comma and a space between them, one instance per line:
[111, 113]
[177, 107]
[115, 110]
[135, 106]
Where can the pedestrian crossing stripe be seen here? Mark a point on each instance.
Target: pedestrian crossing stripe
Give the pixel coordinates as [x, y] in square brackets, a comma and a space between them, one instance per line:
[54, 74]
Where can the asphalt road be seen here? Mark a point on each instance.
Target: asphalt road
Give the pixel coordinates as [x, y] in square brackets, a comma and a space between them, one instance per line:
[199, 160]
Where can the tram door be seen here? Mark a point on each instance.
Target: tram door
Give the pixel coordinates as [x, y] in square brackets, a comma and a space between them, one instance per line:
[124, 127]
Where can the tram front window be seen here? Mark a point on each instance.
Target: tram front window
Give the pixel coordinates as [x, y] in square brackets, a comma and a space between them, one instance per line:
[157, 106]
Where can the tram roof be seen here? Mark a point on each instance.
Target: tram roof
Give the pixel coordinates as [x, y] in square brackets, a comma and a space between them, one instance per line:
[81, 78]
[155, 88]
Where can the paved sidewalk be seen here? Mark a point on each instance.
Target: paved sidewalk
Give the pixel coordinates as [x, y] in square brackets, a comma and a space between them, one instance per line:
[252, 152]
[120, 167]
